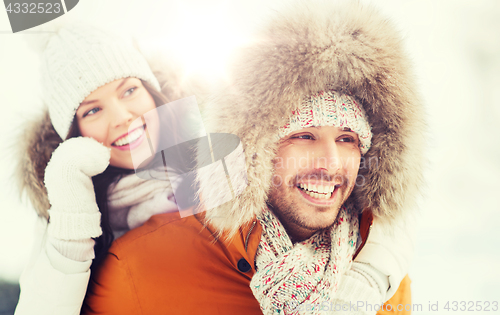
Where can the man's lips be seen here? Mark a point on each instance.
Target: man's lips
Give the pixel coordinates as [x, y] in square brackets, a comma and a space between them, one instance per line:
[319, 192]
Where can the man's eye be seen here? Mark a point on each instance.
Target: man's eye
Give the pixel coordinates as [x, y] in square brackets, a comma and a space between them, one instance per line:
[306, 137]
[92, 111]
[347, 139]
[129, 91]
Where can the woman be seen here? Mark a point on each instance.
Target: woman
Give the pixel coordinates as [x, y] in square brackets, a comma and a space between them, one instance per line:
[101, 96]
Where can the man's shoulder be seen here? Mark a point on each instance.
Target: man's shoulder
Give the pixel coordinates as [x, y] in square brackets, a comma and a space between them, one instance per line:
[157, 231]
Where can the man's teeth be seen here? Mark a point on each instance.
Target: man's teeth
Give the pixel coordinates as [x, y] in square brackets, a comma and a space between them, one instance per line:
[131, 137]
[318, 191]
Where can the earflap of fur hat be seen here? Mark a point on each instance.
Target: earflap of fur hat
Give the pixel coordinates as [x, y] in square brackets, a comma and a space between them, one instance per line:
[317, 46]
[36, 145]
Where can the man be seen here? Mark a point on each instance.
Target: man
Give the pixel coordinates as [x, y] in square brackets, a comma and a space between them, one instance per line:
[331, 133]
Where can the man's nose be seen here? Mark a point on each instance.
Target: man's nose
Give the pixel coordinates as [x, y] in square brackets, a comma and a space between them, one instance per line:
[328, 157]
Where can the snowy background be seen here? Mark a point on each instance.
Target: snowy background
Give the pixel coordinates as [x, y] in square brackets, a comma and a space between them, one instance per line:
[455, 49]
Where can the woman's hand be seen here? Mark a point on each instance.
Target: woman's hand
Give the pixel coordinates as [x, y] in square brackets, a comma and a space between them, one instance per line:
[74, 213]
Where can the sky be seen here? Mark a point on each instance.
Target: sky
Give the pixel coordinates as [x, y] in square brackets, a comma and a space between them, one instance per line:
[454, 46]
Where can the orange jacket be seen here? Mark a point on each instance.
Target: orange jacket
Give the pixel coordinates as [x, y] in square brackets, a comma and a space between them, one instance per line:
[174, 265]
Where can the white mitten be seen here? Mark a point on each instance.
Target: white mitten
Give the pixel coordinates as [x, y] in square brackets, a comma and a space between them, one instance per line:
[74, 214]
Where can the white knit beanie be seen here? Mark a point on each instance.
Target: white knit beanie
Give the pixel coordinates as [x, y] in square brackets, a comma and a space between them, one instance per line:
[330, 109]
[77, 60]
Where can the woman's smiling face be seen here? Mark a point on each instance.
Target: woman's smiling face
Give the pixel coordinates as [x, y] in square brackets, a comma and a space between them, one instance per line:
[109, 116]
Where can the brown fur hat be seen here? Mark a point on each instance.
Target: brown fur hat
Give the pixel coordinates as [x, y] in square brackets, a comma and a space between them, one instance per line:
[313, 47]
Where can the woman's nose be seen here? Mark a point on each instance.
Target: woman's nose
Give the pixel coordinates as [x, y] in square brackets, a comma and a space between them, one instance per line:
[120, 114]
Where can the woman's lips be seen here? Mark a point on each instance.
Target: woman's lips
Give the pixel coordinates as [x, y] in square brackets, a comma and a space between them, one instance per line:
[134, 144]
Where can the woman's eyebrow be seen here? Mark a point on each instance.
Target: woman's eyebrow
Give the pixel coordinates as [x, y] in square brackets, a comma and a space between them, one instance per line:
[93, 101]
[122, 83]
[87, 102]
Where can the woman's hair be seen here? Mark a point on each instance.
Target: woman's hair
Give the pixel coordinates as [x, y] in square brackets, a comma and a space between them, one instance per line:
[105, 179]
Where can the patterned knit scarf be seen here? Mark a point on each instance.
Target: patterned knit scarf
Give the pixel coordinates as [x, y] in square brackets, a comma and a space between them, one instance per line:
[290, 277]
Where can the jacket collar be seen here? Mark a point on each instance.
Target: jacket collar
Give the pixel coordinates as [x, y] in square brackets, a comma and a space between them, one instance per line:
[241, 245]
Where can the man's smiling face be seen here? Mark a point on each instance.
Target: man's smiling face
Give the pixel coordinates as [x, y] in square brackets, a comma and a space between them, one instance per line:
[315, 172]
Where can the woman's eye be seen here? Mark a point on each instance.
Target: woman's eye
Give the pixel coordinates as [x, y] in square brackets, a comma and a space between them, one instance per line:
[92, 111]
[129, 91]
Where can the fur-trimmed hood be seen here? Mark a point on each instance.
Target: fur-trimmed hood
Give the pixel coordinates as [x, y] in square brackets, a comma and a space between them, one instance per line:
[317, 46]
[40, 139]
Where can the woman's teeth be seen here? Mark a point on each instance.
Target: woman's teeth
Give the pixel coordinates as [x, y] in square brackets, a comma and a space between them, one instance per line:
[131, 137]
[318, 191]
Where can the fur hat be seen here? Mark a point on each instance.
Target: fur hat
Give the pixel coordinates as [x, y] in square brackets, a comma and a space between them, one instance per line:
[319, 46]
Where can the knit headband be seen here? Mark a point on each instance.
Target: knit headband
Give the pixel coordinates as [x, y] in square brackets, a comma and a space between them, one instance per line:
[330, 109]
